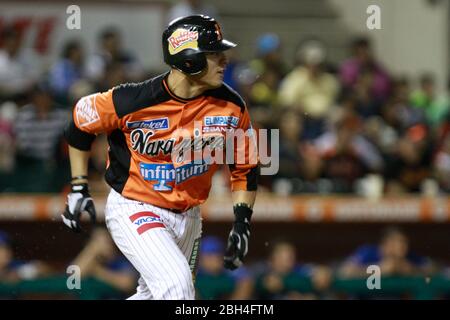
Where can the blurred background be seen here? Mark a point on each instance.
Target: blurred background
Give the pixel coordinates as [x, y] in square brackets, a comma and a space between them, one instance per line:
[364, 120]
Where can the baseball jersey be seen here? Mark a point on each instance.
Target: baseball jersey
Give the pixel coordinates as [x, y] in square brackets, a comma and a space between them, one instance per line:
[140, 121]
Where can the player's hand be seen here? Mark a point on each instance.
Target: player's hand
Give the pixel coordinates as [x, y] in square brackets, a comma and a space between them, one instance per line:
[237, 247]
[78, 201]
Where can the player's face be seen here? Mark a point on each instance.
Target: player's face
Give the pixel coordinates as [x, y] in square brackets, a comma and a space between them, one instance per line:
[213, 74]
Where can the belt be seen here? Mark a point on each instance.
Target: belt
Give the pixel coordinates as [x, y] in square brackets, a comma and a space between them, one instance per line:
[177, 211]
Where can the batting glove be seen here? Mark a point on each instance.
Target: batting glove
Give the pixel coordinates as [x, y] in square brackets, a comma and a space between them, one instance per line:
[78, 201]
[237, 247]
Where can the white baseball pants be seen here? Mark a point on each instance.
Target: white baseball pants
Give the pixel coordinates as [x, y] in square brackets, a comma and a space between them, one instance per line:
[161, 245]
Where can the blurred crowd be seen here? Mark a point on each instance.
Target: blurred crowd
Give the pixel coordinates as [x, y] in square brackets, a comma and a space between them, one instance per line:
[35, 107]
[349, 128]
[106, 274]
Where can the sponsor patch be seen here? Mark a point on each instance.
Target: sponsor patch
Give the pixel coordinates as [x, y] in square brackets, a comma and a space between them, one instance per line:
[219, 129]
[225, 121]
[142, 142]
[166, 174]
[153, 124]
[145, 221]
[182, 39]
[86, 110]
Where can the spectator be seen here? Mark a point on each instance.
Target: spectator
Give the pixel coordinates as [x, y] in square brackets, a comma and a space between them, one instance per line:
[8, 113]
[213, 281]
[435, 107]
[13, 270]
[260, 80]
[300, 166]
[291, 127]
[39, 125]
[381, 135]
[309, 88]
[284, 278]
[393, 255]
[189, 7]
[38, 132]
[101, 260]
[363, 73]
[114, 75]
[112, 52]
[398, 112]
[345, 154]
[409, 164]
[67, 71]
[18, 70]
[268, 55]
[441, 165]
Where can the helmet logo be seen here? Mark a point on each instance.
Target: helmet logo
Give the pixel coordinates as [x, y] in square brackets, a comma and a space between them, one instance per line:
[182, 39]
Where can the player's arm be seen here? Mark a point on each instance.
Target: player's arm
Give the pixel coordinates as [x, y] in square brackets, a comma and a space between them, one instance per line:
[79, 160]
[243, 186]
[92, 115]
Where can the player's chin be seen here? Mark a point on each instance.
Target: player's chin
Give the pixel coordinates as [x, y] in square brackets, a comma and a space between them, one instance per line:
[216, 82]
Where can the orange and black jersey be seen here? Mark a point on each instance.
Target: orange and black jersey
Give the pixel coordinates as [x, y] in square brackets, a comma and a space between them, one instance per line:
[141, 120]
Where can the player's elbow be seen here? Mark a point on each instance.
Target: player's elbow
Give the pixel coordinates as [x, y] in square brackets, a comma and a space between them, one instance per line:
[77, 138]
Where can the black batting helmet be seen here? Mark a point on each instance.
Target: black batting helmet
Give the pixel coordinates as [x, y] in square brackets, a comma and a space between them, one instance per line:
[186, 40]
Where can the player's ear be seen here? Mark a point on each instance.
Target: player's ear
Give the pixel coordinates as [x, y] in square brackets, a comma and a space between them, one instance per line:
[188, 63]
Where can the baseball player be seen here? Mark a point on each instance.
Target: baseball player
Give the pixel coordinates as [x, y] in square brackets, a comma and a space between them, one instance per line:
[152, 210]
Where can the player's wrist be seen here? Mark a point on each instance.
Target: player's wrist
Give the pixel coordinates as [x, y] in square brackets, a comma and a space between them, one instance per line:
[242, 213]
[77, 180]
[82, 187]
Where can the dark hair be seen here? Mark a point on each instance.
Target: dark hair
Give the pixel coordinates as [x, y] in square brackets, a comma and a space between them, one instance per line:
[360, 42]
[69, 47]
[427, 78]
[41, 87]
[109, 32]
[276, 243]
[391, 231]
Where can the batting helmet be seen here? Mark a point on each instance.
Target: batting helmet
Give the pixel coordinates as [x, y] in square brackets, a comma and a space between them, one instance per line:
[186, 40]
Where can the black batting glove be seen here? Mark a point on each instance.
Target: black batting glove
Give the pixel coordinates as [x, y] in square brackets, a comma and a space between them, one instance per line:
[237, 247]
[78, 201]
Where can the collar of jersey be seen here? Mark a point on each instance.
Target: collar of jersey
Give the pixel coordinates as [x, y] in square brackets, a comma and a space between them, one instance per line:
[174, 96]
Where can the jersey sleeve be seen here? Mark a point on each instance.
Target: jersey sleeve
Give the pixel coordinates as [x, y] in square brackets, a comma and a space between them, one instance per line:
[95, 114]
[244, 169]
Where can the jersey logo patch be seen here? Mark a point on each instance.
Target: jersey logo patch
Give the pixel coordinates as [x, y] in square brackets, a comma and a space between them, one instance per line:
[154, 124]
[225, 121]
[182, 39]
[141, 142]
[163, 174]
[221, 124]
[145, 221]
[86, 110]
